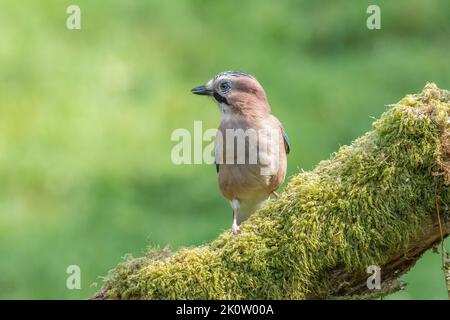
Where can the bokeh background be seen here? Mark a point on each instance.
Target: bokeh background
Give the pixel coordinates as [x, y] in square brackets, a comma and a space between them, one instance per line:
[86, 117]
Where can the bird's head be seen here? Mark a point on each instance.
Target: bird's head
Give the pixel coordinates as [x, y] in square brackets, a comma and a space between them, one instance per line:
[236, 92]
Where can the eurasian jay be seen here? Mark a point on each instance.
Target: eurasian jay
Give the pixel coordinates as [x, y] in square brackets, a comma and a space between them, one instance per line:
[246, 117]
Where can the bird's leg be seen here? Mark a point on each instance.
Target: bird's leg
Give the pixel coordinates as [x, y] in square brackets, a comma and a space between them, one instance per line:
[275, 193]
[234, 227]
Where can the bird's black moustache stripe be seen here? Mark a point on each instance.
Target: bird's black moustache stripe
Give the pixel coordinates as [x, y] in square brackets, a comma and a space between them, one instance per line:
[220, 99]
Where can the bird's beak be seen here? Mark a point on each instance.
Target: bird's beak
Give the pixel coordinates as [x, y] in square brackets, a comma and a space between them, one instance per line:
[202, 91]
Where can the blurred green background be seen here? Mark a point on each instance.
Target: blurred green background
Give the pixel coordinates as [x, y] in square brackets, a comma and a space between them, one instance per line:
[86, 117]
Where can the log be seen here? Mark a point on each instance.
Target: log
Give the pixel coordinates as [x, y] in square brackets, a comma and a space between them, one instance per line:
[374, 202]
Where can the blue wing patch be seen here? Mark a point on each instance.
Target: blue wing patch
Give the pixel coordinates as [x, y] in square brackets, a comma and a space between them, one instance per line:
[287, 146]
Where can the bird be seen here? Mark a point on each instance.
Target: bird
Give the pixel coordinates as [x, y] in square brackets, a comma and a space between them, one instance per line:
[245, 109]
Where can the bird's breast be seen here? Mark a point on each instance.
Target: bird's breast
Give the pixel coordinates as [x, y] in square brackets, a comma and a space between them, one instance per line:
[251, 159]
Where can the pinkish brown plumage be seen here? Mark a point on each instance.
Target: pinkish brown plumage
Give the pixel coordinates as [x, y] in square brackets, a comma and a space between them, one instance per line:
[251, 145]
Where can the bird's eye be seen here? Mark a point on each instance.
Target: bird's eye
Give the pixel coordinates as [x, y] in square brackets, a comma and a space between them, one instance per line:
[224, 86]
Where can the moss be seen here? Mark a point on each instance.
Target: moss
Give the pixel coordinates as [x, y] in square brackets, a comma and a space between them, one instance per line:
[356, 209]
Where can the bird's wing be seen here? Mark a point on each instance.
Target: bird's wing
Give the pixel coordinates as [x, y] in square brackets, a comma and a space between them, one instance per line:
[217, 167]
[287, 145]
[215, 158]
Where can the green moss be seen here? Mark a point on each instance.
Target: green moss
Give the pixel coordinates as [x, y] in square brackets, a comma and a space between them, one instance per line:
[356, 209]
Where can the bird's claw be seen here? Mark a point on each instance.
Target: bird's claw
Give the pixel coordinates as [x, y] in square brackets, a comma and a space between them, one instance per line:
[235, 230]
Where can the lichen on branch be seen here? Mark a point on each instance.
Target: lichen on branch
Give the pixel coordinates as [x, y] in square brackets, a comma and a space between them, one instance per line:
[372, 203]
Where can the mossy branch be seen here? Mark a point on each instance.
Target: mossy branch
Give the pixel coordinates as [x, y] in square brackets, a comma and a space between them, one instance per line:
[373, 203]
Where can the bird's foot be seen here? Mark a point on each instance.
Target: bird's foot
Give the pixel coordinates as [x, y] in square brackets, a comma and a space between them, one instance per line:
[275, 194]
[235, 230]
